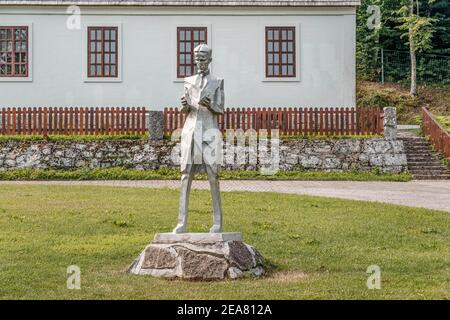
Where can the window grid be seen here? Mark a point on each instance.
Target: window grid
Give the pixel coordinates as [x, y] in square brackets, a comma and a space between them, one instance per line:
[103, 52]
[187, 39]
[280, 52]
[14, 51]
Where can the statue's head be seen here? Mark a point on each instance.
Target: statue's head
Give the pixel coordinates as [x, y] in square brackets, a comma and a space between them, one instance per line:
[202, 57]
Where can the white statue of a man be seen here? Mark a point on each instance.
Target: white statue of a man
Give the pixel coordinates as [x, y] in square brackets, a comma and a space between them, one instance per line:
[201, 140]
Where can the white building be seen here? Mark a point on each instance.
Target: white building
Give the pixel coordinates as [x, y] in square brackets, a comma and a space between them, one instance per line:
[97, 53]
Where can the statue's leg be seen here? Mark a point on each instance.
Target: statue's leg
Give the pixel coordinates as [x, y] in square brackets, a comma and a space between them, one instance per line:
[213, 177]
[186, 181]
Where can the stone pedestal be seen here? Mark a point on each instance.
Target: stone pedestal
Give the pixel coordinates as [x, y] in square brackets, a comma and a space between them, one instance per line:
[198, 256]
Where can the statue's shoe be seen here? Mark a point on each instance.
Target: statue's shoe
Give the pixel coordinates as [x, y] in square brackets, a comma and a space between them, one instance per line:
[179, 229]
[215, 229]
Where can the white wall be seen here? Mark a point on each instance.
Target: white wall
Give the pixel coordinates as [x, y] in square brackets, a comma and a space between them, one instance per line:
[326, 51]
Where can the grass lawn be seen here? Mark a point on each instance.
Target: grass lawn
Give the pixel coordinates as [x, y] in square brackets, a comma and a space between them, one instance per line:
[119, 173]
[315, 247]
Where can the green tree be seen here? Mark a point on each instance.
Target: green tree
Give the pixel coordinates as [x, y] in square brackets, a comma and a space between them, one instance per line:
[419, 32]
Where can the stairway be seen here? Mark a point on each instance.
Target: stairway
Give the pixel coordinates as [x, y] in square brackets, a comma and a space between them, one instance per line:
[423, 162]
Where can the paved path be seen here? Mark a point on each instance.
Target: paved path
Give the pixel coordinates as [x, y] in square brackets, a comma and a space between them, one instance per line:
[426, 194]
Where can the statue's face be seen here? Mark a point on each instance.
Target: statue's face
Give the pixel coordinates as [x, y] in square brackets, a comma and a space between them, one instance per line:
[202, 61]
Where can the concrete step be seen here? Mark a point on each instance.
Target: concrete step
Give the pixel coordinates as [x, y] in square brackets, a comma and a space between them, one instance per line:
[429, 172]
[426, 167]
[432, 177]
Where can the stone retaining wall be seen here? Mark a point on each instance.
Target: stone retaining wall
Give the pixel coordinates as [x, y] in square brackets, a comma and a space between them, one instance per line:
[330, 155]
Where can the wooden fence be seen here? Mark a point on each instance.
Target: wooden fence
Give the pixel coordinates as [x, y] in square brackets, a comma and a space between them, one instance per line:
[75, 121]
[292, 121]
[438, 135]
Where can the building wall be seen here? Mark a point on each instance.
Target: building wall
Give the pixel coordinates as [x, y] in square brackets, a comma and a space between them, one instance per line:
[326, 51]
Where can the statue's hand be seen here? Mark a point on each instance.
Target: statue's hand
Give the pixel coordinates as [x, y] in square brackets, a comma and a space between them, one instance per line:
[206, 102]
[185, 104]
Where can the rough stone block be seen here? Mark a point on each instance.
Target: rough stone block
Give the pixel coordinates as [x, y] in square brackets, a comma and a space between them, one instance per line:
[198, 256]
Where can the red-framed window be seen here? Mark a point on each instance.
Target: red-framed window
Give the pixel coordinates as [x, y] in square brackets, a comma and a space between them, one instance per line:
[187, 39]
[103, 52]
[280, 52]
[14, 51]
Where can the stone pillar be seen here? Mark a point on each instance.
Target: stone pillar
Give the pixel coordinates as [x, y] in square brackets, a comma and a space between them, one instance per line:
[156, 125]
[390, 123]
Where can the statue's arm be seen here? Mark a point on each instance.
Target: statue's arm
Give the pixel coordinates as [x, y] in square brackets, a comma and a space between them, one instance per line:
[217, 106]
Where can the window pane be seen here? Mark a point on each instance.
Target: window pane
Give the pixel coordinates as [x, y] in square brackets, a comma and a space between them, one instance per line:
[290, 58]
[98, 70]
[284, 46]
[113, 71]
[270, 71]
[283, 35]
[2, 69]
[188, 71]
[99, 58]
[270, 46]
[92, 34]
[284, 58]
[276, 58]
[24, 46]
[8, 34]
[202, 36]
[17, 47]
[99, 47]
[23, 69]
[290, 35]
[290, 47]
[113, 34]
[275, 34]
[188, 35]
[106, 71]
[182, 73]
[188, 47]
[2, 33]
[182, 47]
[24, 57]
[9, 57]
[107, 46]
[92, 58]
[284, 70]
[92, 71]
[17, 57]
[276, 70]
[196, 36]
[113, 47]
[181, 35]
[113, 58]
[3, 46]
[106, 58]
[269, 35]
[188, 58]
[92, 46]
[270, 58]
[182, 59]
[107, 34]
[276, 47]
[291, 70]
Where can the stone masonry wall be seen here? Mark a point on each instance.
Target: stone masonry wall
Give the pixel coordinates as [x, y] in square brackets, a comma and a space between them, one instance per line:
[330, 155]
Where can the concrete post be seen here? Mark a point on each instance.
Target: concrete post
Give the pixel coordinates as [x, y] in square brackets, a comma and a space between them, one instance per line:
[390, 123]
[156, 125]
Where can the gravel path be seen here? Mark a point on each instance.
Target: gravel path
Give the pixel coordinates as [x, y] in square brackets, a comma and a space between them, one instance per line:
[425, 194]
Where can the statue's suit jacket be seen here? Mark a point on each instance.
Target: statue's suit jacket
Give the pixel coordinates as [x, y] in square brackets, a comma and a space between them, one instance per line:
[200, 120]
